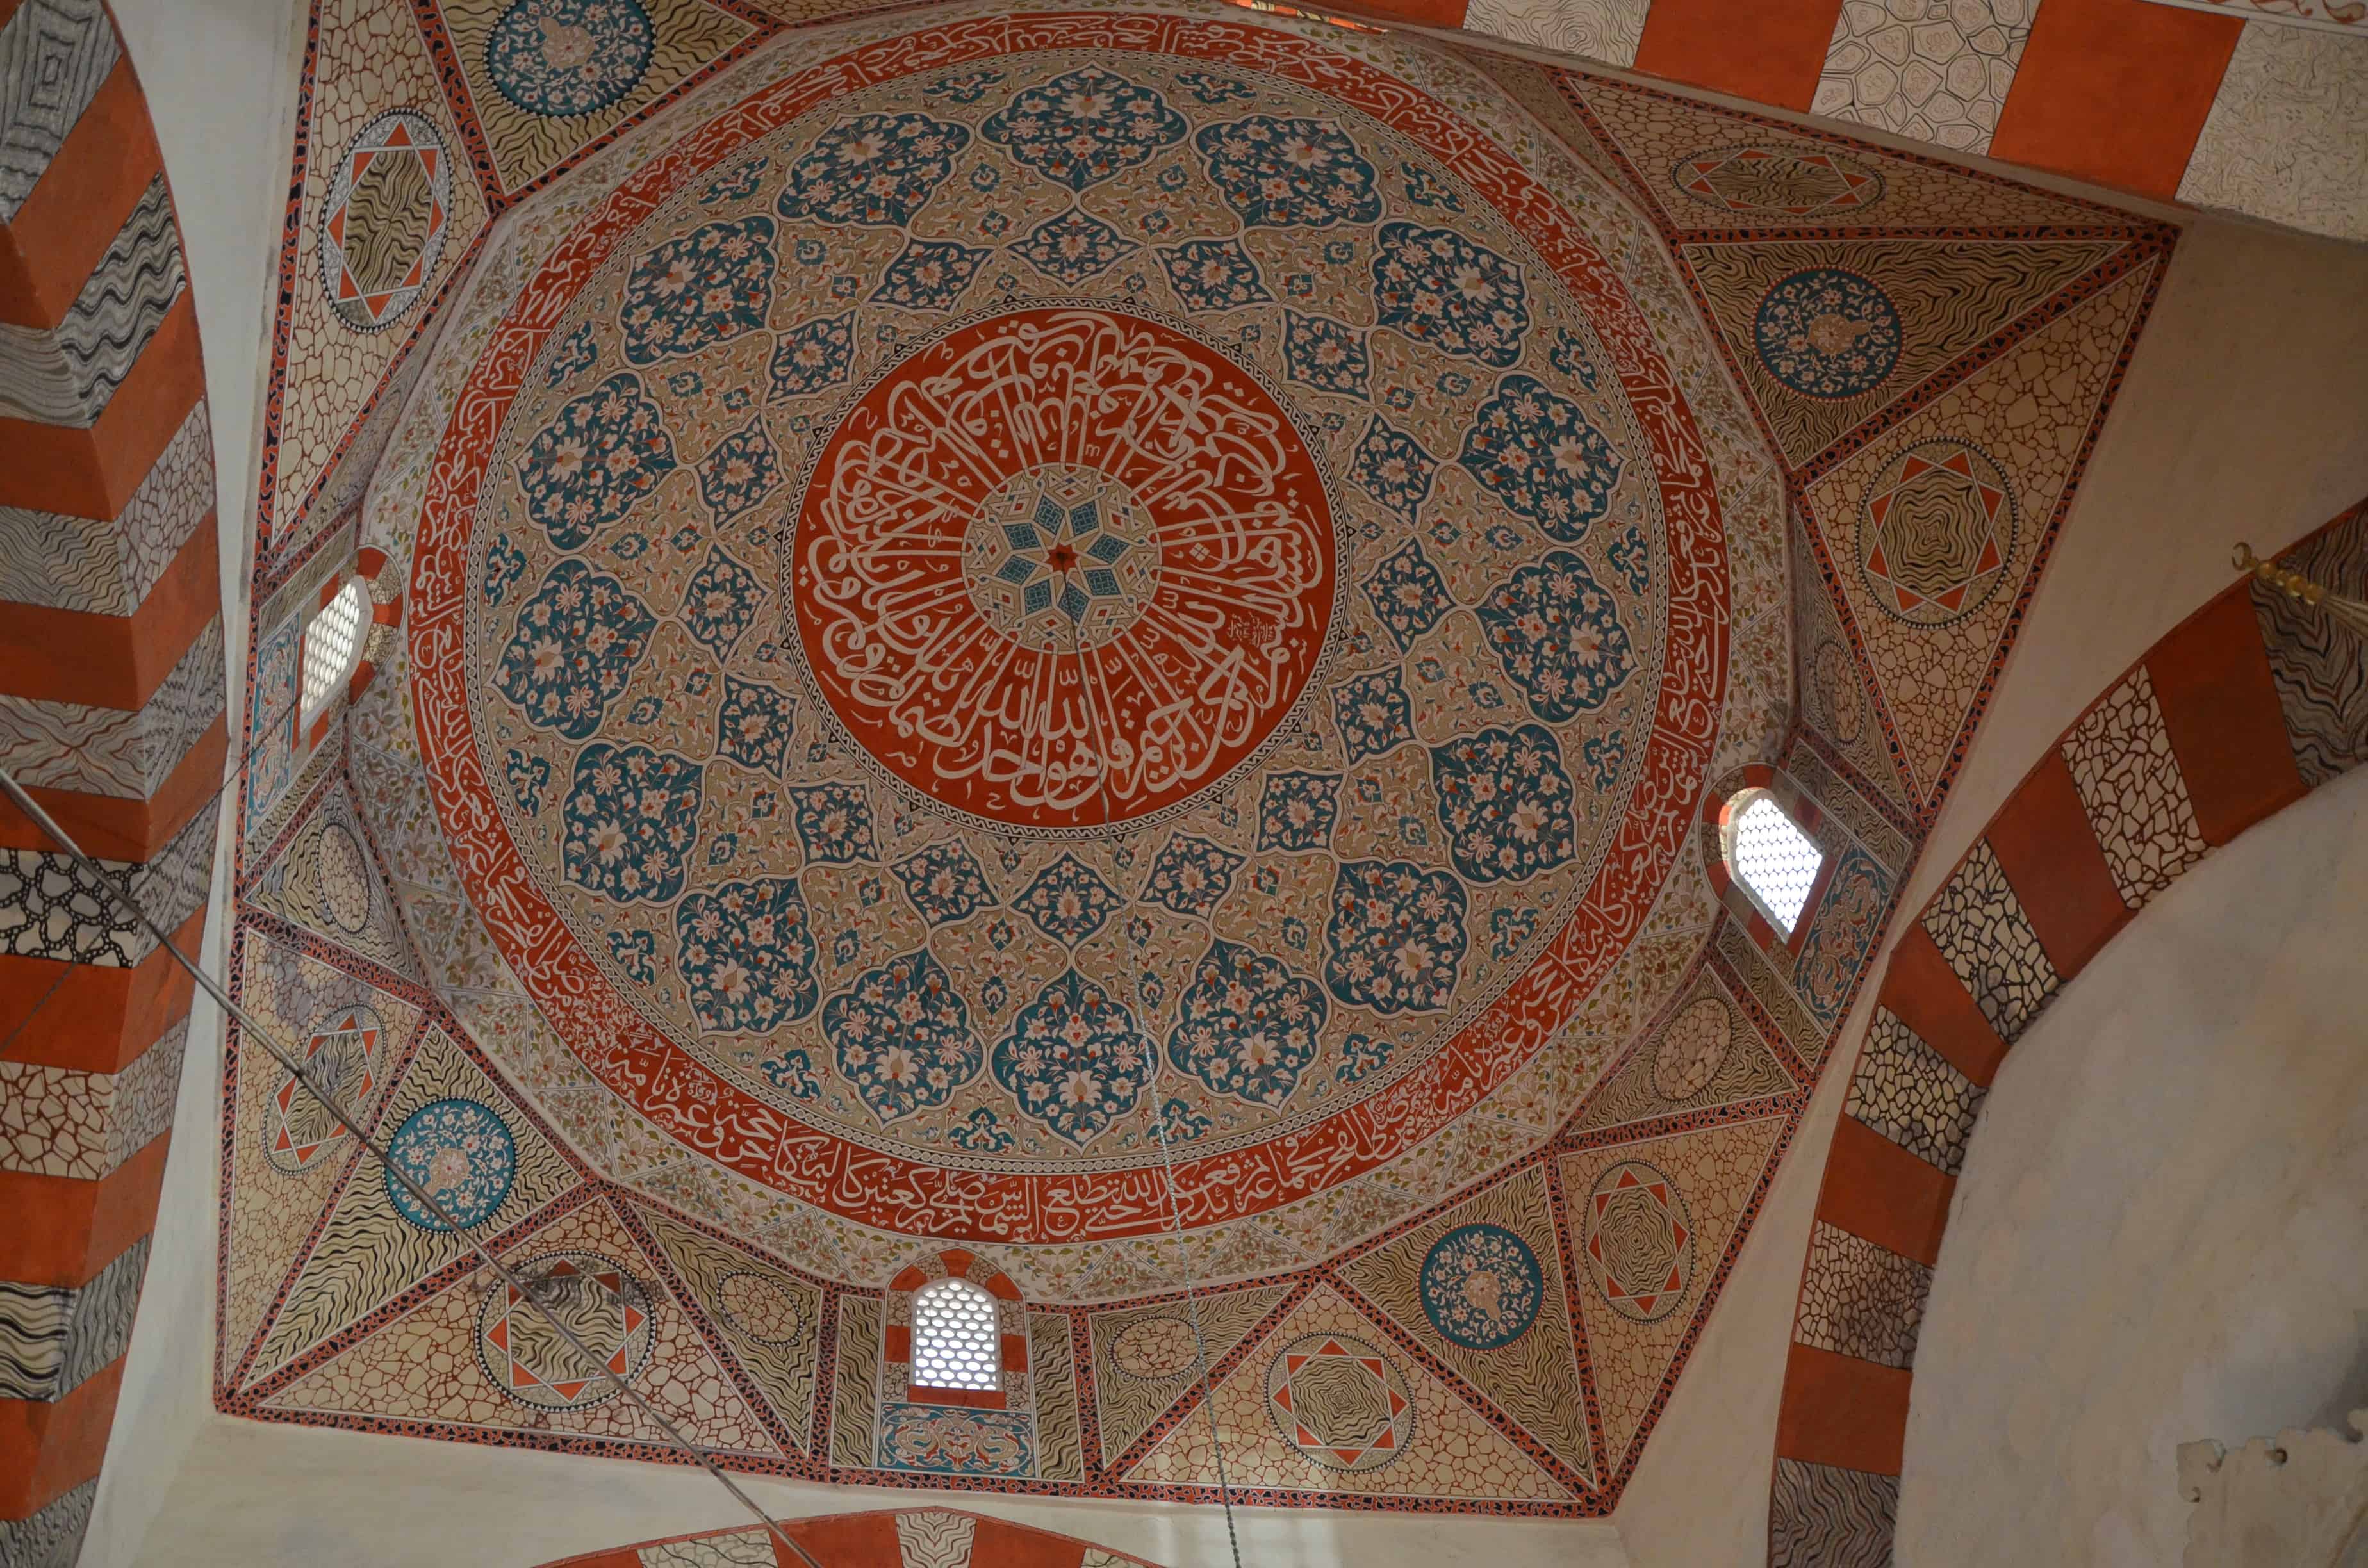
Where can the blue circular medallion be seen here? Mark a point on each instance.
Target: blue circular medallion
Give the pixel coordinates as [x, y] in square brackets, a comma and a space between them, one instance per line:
[1826, 333]
[558, 58]
[1482, 1286]
[460, 1152]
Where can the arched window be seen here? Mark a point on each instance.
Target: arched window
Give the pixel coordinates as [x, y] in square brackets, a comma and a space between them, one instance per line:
[956, 1343]
[333, 645]
[1773, 861]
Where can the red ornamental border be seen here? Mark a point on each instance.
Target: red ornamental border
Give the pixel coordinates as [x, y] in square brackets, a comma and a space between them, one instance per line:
[726, 1124]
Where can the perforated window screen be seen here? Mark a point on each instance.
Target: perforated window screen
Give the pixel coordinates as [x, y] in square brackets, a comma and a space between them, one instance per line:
[1773, 858]
[330, 644]
[955, 1343]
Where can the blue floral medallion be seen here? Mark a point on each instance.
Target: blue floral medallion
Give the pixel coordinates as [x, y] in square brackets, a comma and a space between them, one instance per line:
[1247, 1026]
[635, 952]
[529, 777]
[1191, 876]
[1827, 333]
[753, 726]
[1557, 633]
[571, 357]
[1537, 453]
[1069, 900]
[1482, 1287]
[1458, 296]
[1214, 274]
[812, 355]
[834, 821]
[1296, 810]
[875, 168]
[941, 1440]
[1424, 189]
[605, 451]
[736, 475]
[929, 275]
[1392, 468]
[561, 57]
[1396, 940]
[748, 955]
[504, 565]
[1849, 919]
[1407, 594]
[698, 290]
[461, 1151]
[721, 602]
[1325, 354]
[1373, 713]
[1080, 128]
[1281, 174]
[902, 1038]
[1214, 90]
[1631, 557]
[575, 649]
[984, 1134]
[1506, 803]
[1074, 247]
[1074, 1059]
[945, 882]
[629, 821]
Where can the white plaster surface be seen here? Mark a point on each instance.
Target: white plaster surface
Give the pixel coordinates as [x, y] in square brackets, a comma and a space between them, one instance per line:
[2161, 1232]
[2287, 138]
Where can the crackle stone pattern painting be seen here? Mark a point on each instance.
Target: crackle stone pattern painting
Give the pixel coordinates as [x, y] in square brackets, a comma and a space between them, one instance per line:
[1084, 651]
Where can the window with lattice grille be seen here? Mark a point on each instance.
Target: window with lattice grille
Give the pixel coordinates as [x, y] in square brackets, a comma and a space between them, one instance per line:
[333, 645]
[955, 1341]
[1770, 855]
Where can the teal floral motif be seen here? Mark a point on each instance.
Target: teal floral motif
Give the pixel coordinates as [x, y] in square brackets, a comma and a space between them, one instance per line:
[1069, 900]
[875, 168]
[1570, 356]
[505, 563]
[1296, 810]
[529, 777]
[1457, 295]
[1537, 453]
[1359, 1054]
[1179, 1123]
[834, 823]
[964, 87]
[1505, 802]
[902, 1037]
[1075, 1059]
[1628, 556]
[605, 451]
[574, 650]
[461, 1151]
[1827, 333]
[1482, 1286]
[1508, 929]
[698, 290]
[574, 356]
[1282, 174]
[636, 953]
[1214, 90]
[1557, 633]
[941, 1439]
[1074, 247]
[721, 602]
[792, 1072]
[1603, 755]
[563, 58]
[735, 185]
[629, 821]
[1325, 354]
[984, 1134]
[1424, 189]
[1080, 128]
[929, 275]
[1191, 876]
[736, 475]
[812, 355]
[945, 882]
[746, 951]
[1245, 1026]
[753, 726]
[1392, 468]
[1373, 713]
[1395, 940]
[1848, 920]
[1214, 274]
[1407, 594]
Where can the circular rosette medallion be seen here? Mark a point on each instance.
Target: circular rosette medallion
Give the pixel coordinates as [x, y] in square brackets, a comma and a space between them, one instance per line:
[523, 1349]
[1078, 610]
[1339, 1401]
[1482, 1286]
[1640, 1241]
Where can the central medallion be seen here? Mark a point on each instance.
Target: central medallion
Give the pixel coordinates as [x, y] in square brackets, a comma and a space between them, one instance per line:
[1063, 567]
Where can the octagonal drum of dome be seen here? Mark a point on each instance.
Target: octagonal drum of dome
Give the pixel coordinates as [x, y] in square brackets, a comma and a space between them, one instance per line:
[1021, 608]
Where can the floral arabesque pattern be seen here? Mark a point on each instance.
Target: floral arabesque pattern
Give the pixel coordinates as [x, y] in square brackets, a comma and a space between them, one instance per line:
[1281, 174]
[575, 649]
[1482, 1286]
[1395, 939]
[1245, 1026]
[1215, 274]
[876, 168]
[1557, 633]
[1392, 468]
[629, 821]
[1453, 293]
[563, 58]
[708, 287]
[1373, 713]
[1325, 354]
[605, 451]
[813, 355]
[1296, 810]
[753, 725]
[721, 602]
[939, 1441]
[739, 472]
[748, 954]
[1075, 1059]
[1069, 900]
[1537, 453]
[1506, 803]
[1073, 247]
[1827, 333]
[1407, 594]
[1080, 128]
[929, 275]
[945, 882]
[1191, 876]
[463, 1152]
[902, 1037]
[834, 821]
